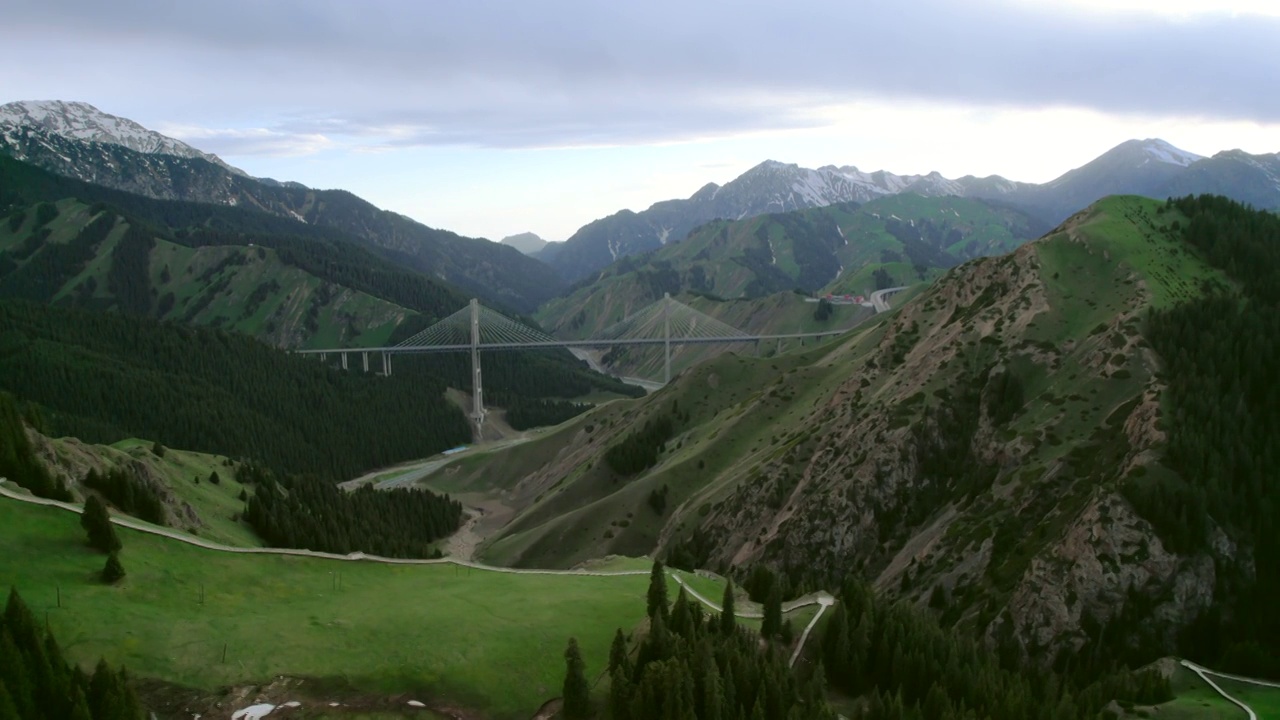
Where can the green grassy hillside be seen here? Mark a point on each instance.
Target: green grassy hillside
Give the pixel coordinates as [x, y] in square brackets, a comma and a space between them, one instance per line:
[977, 441]
[239, 287]
[830, 249]
[193, 503]
[744, 272]
[487, 640]
[483, 640]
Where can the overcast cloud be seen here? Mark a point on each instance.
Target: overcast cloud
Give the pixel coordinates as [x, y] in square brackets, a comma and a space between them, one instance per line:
[289, 76]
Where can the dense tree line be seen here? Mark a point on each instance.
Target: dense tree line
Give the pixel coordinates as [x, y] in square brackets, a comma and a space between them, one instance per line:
[129, 276]
[693, 665]
[128, 493]
[528, 374]
[908, 666]
[106, 377]
[638, 451]
[300, 512]
[50, 266]
[36, 683]
[1222, 414]
[18, 461]
[523, 413]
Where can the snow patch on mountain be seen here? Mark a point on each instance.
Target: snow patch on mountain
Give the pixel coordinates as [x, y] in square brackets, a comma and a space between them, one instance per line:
[1166, 153]
[84, 122]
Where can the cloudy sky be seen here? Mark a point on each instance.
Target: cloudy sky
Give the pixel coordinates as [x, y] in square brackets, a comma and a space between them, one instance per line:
[491, 118]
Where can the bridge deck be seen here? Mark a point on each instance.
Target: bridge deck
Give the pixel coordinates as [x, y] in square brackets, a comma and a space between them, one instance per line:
[571, 343]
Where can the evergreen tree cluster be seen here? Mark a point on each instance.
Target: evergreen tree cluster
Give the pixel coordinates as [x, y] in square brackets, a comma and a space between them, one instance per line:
[96, 521]
[50, 266]
[18, 461]
[691, 665]
[908, 666]
[298, 512]
[128, 493]
[525, 413]
[36, 683]
[638, 451]
[510, 376]
[105, 377]
[1222, 414]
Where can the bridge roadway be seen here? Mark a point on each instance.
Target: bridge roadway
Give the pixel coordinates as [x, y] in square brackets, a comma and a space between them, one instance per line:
[571, 343]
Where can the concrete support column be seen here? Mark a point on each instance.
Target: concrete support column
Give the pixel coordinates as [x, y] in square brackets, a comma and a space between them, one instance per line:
[477, 387]
[666, 337]
[386, 365]
[365, 355]
[344, 361]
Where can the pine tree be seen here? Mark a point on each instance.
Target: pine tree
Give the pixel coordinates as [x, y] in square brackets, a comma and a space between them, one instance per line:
[728, 623]
[97, 523]
[8, 711]
[619, 659]
[577, 693]
[681, 618]
[772, 623]
[620, 691]
[658, 591]
[113, 571]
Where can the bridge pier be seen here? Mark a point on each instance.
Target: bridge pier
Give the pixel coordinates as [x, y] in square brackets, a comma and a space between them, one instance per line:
[322, 356]
[365, 356]
[386, 365]
[477, 388]
[344, 361]
[666, 338]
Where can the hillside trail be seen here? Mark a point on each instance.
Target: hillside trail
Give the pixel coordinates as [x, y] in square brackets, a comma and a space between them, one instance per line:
[820, 598]
[1204, 675]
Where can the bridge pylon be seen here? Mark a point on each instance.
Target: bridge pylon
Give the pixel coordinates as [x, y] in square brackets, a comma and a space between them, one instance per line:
[477, 387]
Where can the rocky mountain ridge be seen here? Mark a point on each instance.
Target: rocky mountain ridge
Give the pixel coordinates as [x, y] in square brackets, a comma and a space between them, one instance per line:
[84, 122]
[1149, 167]
[499, 274]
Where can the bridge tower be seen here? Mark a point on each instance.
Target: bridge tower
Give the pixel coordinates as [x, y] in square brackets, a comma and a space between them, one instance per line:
[666, 338]
[477, 390]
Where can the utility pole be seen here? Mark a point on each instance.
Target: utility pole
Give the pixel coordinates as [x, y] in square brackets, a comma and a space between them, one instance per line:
[477, 390]
[666, 337]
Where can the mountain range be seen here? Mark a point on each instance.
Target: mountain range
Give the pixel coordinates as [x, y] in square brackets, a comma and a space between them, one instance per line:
[80, 141]
[1151, 167]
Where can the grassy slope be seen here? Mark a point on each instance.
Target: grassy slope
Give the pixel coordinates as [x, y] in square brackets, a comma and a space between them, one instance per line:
[223, 297]
[860, 250]
[201, 508]
[731, 428]
[749, 413]
[1265, 701]
[489, 640]
[214, 504]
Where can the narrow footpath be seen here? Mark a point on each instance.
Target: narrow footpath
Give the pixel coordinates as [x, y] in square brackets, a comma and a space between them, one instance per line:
[823, 599]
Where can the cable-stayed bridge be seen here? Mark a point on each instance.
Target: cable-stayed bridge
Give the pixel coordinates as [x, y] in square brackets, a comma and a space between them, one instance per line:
[475, 328]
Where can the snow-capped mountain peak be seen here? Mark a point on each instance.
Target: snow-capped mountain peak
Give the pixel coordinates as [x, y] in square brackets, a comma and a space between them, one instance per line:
[84, 122]
[1164, 152]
